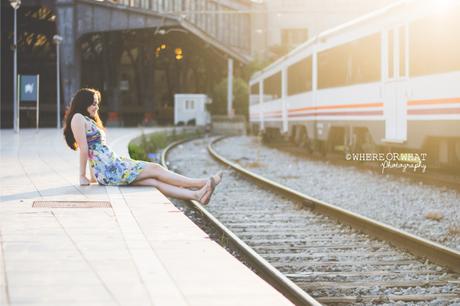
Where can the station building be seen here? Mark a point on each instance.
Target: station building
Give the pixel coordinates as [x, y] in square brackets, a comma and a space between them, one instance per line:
[138, 53]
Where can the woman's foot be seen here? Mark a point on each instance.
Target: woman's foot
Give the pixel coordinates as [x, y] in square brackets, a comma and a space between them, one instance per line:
[216, 178]
[214, 181]
[203, 195]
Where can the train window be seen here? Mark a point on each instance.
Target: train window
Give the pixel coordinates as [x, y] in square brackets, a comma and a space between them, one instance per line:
[272, 87]
[402, 51]
[390, 55]
[434, 44]
[254, 97]
[255, 89]
[299, 77]
[351, 63]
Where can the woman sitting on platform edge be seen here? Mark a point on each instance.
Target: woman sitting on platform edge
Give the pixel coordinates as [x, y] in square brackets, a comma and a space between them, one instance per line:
[83, 129]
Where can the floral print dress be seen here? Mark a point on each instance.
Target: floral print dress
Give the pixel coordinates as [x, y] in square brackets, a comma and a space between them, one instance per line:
[109, 168]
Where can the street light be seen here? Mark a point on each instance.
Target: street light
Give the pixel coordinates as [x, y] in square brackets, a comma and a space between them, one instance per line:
[15, 4]
[57, 40]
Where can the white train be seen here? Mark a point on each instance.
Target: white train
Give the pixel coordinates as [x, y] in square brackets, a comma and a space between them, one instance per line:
[388, 81]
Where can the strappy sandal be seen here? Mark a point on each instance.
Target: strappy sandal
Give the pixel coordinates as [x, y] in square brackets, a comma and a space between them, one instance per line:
[209, 192]
[220, 174]
[213, 186]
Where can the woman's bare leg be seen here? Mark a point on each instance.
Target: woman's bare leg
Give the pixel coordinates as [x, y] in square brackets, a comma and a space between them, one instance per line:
[159, 173]
[174, 191]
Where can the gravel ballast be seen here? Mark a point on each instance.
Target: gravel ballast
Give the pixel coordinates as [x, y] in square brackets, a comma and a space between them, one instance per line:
[312, 249]
[427, 211]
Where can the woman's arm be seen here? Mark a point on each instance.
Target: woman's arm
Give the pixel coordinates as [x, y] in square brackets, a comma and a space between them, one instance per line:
[78, 129]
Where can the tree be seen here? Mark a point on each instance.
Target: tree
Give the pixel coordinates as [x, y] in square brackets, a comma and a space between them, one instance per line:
[278, 51]
[240, 97]
[252, 67]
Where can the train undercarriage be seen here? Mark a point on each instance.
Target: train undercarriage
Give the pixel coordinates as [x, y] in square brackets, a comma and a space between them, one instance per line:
[442, 152]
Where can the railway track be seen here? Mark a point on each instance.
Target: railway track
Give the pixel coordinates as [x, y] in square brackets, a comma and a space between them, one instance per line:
[332, 261]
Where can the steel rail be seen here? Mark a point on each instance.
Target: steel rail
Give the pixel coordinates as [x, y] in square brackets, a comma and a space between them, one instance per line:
[278, 280]
[416, 245]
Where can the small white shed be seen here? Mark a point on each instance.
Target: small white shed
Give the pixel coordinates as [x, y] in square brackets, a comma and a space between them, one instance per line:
[191, 106]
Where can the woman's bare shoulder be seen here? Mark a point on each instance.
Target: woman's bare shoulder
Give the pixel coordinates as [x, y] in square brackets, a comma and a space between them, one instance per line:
[77, 119]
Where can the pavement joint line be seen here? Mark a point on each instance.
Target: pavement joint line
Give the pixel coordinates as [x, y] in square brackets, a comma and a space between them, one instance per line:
[118, 205]
[85, 259]
[56, 149]
[60, 175]
[115, 250]
[26, 173]
[123, 235]
[5, 295]
[37, 158]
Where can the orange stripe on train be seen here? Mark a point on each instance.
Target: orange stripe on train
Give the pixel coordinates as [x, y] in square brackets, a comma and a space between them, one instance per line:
[434, 101]
[378, 104]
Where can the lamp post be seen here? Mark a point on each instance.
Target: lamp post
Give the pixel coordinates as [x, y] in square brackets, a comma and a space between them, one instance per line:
[57, 40]
[15, 4]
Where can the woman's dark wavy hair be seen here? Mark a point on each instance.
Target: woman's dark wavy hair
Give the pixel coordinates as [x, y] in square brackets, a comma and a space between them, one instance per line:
[82, 99]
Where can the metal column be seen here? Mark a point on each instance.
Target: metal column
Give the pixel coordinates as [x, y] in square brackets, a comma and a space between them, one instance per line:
[230, 88]
[15, 76]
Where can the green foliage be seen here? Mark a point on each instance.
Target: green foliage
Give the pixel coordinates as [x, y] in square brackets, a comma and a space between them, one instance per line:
[240, 97]
[278, 51]
[155, 142]
[240, 90]
[136, 152]
[254, 66]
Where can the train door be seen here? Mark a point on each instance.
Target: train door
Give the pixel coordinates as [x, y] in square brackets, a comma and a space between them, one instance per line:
[395, 74]
[283, 100]
[261, 101]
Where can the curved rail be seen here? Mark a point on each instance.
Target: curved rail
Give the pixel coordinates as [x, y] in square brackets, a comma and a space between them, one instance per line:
[268, 272]
[414, 244]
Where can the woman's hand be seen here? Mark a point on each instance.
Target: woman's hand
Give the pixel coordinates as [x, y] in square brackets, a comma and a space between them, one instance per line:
[84, 181]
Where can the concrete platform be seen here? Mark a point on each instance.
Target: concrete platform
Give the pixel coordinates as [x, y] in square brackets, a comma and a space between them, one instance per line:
[142, 251]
